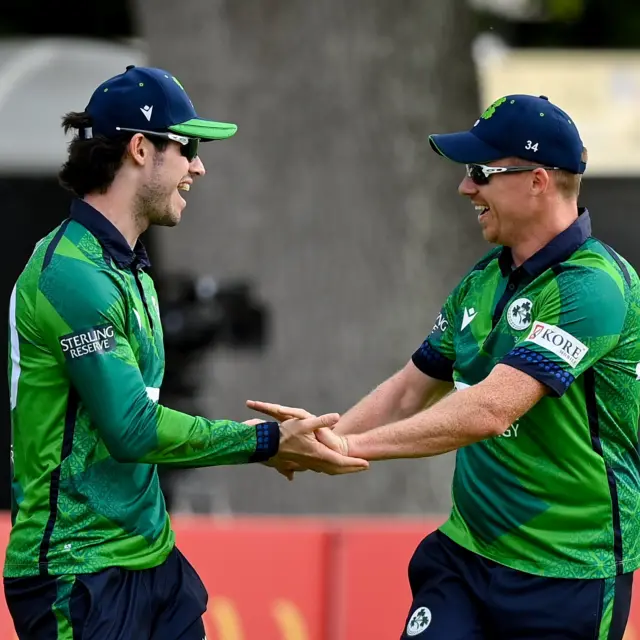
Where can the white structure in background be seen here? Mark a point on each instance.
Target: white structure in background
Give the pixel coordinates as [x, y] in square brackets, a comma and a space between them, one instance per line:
[521, 10]
[40, 80]
[600, 89]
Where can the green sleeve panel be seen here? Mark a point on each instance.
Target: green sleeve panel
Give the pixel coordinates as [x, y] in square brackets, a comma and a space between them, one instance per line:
[91, 335]
[579, 317]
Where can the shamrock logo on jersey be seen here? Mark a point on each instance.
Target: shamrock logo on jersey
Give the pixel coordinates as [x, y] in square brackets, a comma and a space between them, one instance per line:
[419, 621]
[519, 315]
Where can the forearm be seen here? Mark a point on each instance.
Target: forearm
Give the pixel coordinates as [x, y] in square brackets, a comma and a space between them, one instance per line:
[393, 400]
[135, 428]
[380, 407]
[457, 421]
[143, 431]
[188, 442]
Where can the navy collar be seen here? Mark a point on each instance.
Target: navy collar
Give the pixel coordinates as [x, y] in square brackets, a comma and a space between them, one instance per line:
[558, 250]
[108, 236]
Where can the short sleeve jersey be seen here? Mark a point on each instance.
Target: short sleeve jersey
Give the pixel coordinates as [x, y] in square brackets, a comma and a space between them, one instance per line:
[558, 493]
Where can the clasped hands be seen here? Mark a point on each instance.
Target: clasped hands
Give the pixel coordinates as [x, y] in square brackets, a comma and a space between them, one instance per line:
[307, 442]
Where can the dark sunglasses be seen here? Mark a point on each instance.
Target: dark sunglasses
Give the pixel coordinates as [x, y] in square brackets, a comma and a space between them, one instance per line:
[480, 174]
[188, 146]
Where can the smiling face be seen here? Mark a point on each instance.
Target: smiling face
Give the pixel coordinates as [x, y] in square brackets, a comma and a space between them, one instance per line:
[507, 206]
[170, 174]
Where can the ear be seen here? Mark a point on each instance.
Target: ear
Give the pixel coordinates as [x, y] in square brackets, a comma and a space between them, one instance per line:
[138, 149]
[540, 180]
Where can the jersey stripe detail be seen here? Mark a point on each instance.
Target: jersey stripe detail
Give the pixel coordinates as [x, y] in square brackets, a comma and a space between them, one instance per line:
[559, 268]
[621, 265]
[594, 429]
[143, 297]
[487, 260]
[15, 349]
[54, 487]
[54, 243]
[509, 292]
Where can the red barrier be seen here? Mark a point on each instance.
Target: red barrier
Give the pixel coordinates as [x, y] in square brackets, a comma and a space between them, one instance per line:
[372, 558]
[301, 579]
[266, 578]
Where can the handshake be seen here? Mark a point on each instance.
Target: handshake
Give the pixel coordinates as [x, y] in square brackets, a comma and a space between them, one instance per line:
[307, 442]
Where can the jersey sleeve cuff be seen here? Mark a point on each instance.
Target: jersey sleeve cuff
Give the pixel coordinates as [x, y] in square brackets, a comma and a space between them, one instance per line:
[541, 368]
[432, 363]
[267, 441]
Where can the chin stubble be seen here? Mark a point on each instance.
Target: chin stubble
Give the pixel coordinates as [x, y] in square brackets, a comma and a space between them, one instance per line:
[154, 202]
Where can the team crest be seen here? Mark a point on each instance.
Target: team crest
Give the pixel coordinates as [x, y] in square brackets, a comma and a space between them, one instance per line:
[419, 621]
[519, 314]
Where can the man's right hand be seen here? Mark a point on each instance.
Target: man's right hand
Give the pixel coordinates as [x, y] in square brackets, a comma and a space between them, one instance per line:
[278, 412]
[299, 445]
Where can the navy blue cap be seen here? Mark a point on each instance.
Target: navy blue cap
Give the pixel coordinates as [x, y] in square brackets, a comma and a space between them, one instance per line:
[520, 126]
[152, 100]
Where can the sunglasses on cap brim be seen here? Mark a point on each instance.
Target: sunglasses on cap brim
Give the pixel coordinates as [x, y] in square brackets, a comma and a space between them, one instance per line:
[480, 174]
[188, 146]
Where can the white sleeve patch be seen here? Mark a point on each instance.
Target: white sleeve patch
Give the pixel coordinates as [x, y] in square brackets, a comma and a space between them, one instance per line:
[153, 393]
[558, 341]
[441, 324]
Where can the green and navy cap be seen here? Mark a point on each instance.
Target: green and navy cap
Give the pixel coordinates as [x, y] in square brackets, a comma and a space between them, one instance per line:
[520, 126]
[149, 99]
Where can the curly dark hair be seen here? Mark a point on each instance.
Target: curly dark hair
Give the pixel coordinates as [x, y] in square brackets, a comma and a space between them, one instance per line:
[93, 162]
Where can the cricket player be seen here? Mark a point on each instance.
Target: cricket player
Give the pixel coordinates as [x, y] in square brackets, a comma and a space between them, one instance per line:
[541, 342]
[92, 553]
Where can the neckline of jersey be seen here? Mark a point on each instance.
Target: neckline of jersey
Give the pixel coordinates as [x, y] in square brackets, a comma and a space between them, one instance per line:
[108, 236]
[556, 251]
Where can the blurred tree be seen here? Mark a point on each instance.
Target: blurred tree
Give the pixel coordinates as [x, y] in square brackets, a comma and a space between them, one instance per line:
[331, 200]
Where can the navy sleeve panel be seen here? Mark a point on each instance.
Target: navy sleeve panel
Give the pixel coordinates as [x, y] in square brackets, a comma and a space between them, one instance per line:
[432, 363]
[541, 368]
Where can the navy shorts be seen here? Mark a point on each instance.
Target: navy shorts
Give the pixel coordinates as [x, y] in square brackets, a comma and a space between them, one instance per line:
[459, 595]
[163, 603]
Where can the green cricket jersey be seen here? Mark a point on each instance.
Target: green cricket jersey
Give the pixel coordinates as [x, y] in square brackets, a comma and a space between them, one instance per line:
[557, 494]
[85, 369]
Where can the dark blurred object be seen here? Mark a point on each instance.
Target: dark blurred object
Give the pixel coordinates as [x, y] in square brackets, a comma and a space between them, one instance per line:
[100, 19]
[564, 24]
[31, 208]
[198, 315]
